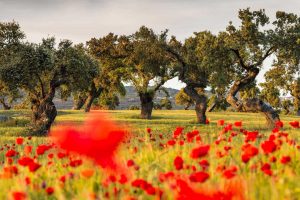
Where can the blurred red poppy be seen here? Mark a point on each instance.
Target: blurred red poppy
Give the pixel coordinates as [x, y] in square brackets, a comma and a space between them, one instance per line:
[295, 124]
[98, 138]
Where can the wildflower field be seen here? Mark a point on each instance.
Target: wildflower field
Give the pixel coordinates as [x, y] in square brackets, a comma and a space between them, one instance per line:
[116, 155]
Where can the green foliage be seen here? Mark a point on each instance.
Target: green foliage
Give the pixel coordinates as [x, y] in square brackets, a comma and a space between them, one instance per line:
[270, 94]
[107, 101]
[10, 43]
[166, 103]
[183, 99]
[250, 91]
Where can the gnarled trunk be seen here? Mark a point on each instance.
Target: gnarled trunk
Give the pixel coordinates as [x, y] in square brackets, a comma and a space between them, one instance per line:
[79, 103]
[200, 103]
[93, 94]
[44, 114]
[146, 105]
[187, 106]
[253, 104]
[4, 104]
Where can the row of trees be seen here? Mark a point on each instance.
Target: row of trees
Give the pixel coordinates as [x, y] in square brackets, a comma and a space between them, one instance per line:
[227, 62]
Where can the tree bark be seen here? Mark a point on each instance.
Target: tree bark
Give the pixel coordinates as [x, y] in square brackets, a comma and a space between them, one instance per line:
[44, 114]
[187, 107]
[200, 103]
[93, 94]
[5, 105]
[253, 104]
[146, 105]
[78, 104]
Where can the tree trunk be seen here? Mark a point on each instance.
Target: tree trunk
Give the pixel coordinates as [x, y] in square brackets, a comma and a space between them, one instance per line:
[146, 105]
[78, 104]
[93, 94]
[253, 104]
[200, 103]
[187, 107]
[44, 113]
[89, 102]
[5, 105]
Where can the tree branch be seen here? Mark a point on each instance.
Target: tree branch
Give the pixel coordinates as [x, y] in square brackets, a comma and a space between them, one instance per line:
[237, 53]
[267, 54]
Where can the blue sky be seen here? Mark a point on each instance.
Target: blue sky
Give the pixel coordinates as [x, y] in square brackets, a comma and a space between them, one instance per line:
[80, 20]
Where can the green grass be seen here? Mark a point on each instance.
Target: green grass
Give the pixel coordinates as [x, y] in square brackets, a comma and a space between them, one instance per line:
[152, 159]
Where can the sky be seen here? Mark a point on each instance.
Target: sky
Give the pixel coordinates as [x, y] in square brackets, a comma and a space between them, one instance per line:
[80, 20]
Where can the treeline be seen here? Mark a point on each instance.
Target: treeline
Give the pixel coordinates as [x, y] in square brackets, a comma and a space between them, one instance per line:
[227, 62]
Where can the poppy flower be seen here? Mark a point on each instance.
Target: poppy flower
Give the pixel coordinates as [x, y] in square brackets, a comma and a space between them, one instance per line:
[232, 190]
[49, 190]
[11, 153]
[123, 179]
[238, 123]
[279, 124]
[204, 164]
[171, 142]
[199, 177]
[27, 150]
[200, 151]
[98, 138]
[33, 166]
[178, 163]
[41, 149]
[19, 195]
[148, 130]
[75, 163]
[221, 122]
[295, 124]
[268, 146]
[130, 163]
[177, 132]
[87, 173]
[19, 141]
[25, 161]
[285, 159]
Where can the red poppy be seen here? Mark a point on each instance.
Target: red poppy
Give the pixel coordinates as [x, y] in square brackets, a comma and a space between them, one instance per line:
[123, 179]
[98, 138]
[27, 150]
[19, 141]
[75, 163]
[25, 161]
[285, 159]
[11, 153]
[199, 177]
[130, 163]
[178, 163]
[41, 149]
[268, 146]
[49, 190]
[279, 124]
[33, 166]
[177, 132]
[200, 151]
[19, 195]
[148, 130]
[204, 164]
[251, 136]
[221, 122]
[238, 124]
[171, 142]
[295, 124]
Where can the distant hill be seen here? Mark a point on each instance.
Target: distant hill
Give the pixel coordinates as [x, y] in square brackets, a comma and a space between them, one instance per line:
[131, 98]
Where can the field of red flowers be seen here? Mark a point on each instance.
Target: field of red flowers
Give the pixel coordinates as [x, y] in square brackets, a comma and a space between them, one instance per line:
[102, 159]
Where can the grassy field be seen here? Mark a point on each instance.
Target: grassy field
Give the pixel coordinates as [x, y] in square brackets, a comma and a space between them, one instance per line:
[153, 155]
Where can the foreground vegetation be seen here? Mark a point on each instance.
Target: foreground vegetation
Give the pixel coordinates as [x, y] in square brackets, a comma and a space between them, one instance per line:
[159, 160]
